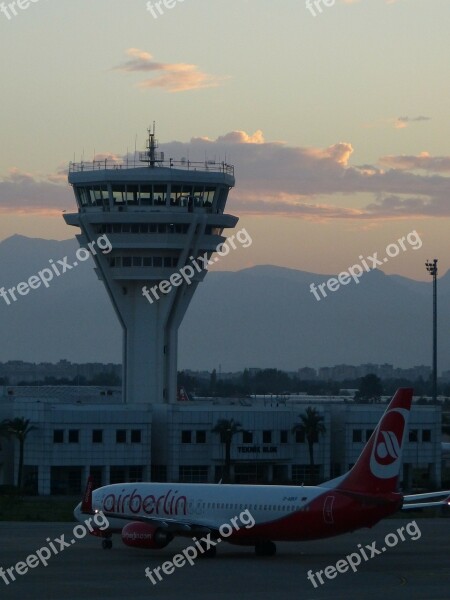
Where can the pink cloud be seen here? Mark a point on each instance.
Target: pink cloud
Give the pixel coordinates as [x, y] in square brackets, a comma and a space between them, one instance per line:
[423, 161]
[172, 77]
[22, 192]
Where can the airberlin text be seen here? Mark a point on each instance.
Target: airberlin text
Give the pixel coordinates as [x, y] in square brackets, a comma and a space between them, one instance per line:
[166, 504]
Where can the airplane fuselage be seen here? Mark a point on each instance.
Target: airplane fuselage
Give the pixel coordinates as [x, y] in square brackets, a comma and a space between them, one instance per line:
[281, 513]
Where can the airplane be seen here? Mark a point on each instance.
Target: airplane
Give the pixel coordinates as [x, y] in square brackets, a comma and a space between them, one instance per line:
[150, 515]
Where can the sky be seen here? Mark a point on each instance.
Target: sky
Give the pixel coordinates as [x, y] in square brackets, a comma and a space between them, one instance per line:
[335, 119]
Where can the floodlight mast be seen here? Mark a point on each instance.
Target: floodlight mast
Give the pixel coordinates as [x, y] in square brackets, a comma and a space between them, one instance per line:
[432, 269]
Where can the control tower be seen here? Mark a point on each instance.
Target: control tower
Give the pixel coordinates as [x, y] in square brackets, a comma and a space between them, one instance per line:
[159, 216]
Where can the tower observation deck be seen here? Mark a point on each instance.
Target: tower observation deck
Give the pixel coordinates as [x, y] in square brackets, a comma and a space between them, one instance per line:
[158, 216]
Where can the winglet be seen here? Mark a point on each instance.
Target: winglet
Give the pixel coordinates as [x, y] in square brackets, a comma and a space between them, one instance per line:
[86, 504]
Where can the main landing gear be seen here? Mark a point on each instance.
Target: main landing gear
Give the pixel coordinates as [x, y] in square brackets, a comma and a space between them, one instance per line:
[265, 549]
[107, 544]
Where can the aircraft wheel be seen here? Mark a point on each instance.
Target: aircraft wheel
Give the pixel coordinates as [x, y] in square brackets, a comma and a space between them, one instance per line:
[265, 549]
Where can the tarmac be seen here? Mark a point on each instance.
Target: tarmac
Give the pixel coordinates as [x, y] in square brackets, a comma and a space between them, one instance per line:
[412, 569]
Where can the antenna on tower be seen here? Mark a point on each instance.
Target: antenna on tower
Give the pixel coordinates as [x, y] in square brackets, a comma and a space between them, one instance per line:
[152, 145]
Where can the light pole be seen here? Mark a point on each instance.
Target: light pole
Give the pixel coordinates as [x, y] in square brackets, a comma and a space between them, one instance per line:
[433, 271]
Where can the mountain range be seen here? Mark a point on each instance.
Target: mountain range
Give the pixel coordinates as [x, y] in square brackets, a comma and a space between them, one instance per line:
[264, 316]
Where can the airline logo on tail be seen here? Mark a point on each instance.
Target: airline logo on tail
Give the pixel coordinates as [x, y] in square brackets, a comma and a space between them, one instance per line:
[386, 450]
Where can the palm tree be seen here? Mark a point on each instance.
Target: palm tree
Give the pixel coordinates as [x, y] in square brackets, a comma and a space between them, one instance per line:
[227, 429]
[311, 426]
[18, 428]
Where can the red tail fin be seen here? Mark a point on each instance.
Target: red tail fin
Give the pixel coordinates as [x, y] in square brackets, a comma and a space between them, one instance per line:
[378, 467]
[86, 504]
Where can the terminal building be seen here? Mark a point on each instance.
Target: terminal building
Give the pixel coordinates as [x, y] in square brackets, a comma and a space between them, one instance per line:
[93, 431]
[161, 216]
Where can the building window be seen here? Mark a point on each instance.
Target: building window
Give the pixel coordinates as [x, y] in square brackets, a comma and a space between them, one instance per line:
[368, 434]
[267, 437]
[58, 436]
[200, 437]
[247, 437]
[193, 474]
[357, 435]
[300, 437]
[74, 436]
[413, 435]
[186, 437]
[426, 435]
[136, 436]
[121, 436]
[97, 436]
[284, 436]
[117, 474]
[305, 473]
[136, 473]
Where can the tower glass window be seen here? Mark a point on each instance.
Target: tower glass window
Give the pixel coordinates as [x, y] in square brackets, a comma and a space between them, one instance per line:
[160, 192]
[118, 194]
[132, 194]
[146, 195]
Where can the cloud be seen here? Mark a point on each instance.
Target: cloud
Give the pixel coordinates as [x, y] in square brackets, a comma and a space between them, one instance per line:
[423, 161]
[403, 122]
[314, 183]
[397, 122]
[241, 137]
[22, 192]
[171, 77]
[279, 179]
